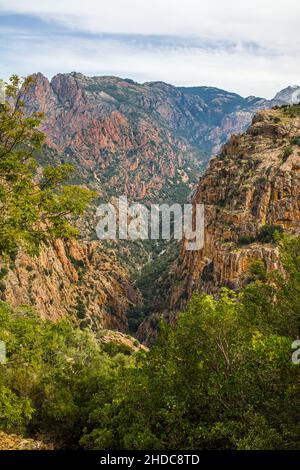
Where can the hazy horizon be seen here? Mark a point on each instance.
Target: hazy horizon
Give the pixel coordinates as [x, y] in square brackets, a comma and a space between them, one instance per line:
[154, 81]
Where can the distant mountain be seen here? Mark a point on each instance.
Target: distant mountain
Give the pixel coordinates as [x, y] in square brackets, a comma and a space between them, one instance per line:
[290, 95]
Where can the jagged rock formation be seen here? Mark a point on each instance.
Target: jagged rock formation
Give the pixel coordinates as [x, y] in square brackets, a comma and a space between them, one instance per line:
[124, 341]
[116, 132]
[76, 279]
[254, 182]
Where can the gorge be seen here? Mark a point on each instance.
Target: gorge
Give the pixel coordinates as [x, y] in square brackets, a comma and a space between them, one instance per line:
[151, 142]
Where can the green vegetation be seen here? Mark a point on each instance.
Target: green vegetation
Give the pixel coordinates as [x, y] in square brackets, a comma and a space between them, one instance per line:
[222, 379]
[50, 372]
[152, 281]
[286, 153]
[267, 233]
[276, 119]
[35, 207]
[291, 110]
[295, 141]
[246, 240]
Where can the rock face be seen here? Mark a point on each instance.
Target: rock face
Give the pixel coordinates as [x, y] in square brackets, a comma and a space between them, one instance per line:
[290, 95]
[75, 279]
[254, 182]
[117, 133]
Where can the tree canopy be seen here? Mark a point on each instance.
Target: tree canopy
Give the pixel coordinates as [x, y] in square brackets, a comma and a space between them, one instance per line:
[35, 204]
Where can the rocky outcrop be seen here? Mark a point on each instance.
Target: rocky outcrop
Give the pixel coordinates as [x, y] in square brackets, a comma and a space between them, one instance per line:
[80, 280]
[253, 183]
[126, 342]
[17, 442]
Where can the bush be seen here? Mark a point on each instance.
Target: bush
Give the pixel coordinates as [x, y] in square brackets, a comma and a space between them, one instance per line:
[15, 411]
[246, 239]
[267, 233]
[286, 153]
[296, 141]
[50, 372]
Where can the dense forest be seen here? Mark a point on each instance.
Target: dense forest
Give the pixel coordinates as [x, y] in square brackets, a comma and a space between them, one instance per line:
[223, 378]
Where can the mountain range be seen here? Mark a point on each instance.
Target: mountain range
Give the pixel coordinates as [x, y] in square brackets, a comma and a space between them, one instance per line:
[149, 141]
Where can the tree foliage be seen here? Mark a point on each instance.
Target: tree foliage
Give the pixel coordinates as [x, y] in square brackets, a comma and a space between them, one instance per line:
[35, 205]
[50, 372]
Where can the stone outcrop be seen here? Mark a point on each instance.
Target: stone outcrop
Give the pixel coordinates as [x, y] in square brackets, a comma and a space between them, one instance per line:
[255, 181]
[17, 442]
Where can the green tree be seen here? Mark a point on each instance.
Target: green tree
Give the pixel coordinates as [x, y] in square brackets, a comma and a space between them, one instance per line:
[51, 371]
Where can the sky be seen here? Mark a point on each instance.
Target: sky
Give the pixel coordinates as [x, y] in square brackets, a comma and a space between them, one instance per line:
[248, 47]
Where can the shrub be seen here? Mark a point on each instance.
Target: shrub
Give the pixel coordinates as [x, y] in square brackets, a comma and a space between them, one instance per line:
[15, 411]
[296, 141]
[267, 233]
[246, 239]
[286, 153]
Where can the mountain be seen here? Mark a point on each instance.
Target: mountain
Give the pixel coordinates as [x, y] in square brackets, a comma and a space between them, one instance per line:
[249, 191]
[148, 141]
[78, 279]
[118, 133]
[290, 95]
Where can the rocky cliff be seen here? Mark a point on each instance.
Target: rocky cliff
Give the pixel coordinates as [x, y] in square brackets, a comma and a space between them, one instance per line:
[116, 132]
[149, 141]
[251, 189]
[80, 280]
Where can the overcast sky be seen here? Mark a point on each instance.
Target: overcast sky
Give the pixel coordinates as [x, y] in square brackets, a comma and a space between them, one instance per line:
[251, 48]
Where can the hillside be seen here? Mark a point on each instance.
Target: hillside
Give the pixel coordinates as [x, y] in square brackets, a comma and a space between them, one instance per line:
[149, 141]
[78, 279]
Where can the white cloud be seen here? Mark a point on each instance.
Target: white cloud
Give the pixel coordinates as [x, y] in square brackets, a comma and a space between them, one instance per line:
[272, 26]
[269, 22]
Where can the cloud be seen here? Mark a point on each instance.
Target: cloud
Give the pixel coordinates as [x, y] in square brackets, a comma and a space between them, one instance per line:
[250, 48]
[267, 22]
